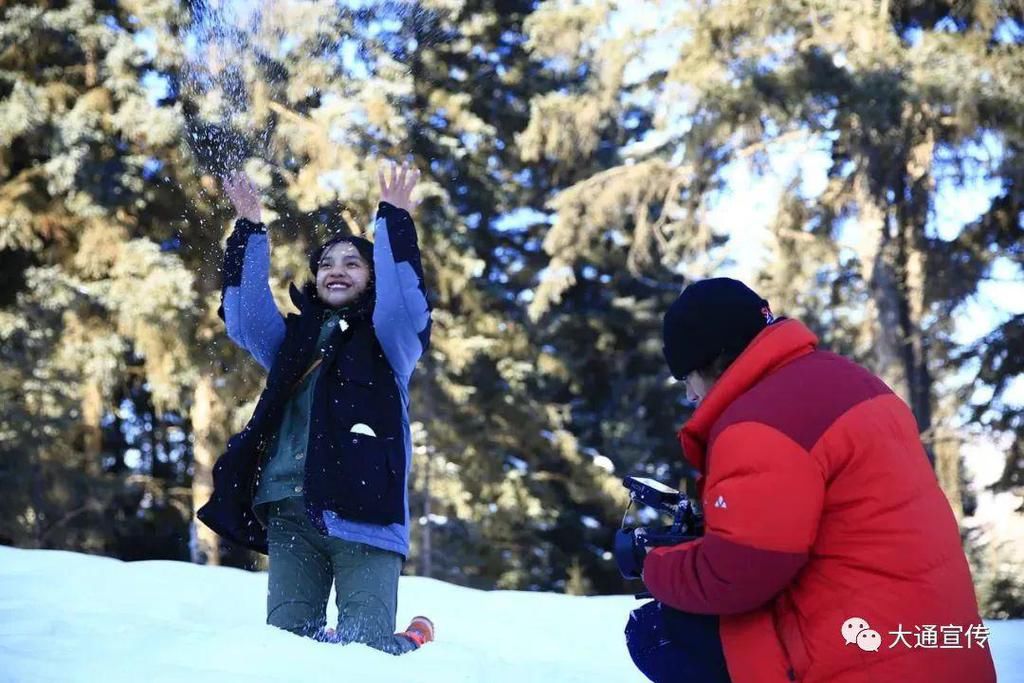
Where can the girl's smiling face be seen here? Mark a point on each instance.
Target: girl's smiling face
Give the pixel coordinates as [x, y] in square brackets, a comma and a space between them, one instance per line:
[342, 276]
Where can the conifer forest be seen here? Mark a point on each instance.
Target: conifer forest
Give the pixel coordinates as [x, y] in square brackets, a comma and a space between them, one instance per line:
[859, 163]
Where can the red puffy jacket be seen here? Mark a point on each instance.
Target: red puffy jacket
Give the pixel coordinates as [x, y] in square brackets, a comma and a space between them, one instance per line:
[823, 516]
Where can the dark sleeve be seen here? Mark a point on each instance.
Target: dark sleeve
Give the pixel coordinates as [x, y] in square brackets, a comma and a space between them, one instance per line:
[247, 304]
[401, 317]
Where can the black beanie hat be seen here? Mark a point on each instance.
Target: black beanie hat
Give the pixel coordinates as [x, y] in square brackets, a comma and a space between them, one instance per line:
[709, 318]
[363, 246]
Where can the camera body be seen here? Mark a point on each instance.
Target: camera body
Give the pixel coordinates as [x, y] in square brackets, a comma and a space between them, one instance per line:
[632, 543]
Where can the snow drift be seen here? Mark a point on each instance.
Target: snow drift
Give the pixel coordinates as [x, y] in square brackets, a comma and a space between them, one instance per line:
[71, 617]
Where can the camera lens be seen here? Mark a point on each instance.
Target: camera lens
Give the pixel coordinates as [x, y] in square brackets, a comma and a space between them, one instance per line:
[628, 555]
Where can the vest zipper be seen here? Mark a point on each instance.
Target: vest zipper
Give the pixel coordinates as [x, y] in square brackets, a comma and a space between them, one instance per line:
[252, 489]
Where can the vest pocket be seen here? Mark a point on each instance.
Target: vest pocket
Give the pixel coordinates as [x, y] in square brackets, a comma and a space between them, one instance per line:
[367, 477]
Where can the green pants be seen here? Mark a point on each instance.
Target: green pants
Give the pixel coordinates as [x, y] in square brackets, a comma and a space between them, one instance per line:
[303, 563]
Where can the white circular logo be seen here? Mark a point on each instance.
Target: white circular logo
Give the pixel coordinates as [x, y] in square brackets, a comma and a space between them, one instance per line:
[853, 626]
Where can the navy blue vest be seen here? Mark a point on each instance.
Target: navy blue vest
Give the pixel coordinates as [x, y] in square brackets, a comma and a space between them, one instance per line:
[357, 476]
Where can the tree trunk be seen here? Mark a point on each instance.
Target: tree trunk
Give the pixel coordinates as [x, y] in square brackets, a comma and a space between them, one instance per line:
[426, 552]
[881, 327]
[947, 469]
[892, 264]
[893, 255]
[209, 433]
[941, 443]
[916, 188]
[92, 432]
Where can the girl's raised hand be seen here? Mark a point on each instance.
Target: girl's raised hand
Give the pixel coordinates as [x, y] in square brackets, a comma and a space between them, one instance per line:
[242, 193]
[398, 192]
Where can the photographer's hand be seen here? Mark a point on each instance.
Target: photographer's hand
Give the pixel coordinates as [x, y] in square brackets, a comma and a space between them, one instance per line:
[242, 192]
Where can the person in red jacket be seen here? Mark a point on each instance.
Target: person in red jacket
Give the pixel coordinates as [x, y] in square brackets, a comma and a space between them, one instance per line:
[830, 554]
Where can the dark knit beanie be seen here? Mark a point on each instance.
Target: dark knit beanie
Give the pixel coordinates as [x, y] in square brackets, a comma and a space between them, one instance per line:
[711, 318]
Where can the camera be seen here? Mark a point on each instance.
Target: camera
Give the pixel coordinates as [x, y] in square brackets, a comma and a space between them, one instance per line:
[631, 543]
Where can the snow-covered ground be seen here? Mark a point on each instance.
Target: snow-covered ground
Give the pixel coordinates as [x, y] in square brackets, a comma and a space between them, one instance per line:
[69, 617]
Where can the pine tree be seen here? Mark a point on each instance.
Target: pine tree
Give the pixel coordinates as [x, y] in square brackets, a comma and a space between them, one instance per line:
[871, 84]
[311, 107]
[92, 293]
[573, 153]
